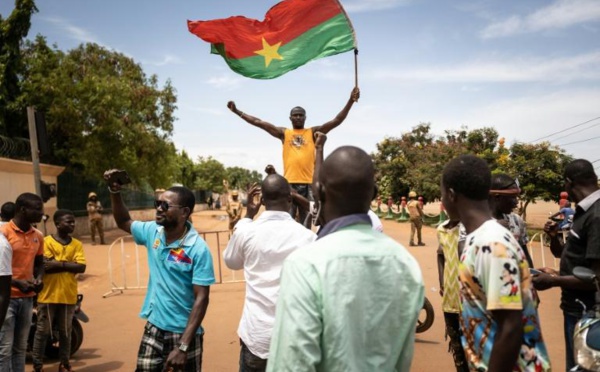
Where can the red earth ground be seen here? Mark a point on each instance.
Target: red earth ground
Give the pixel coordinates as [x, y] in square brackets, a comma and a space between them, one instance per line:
[114, 331]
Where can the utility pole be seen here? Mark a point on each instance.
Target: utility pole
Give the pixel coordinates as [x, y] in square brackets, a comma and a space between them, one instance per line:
[35, 156]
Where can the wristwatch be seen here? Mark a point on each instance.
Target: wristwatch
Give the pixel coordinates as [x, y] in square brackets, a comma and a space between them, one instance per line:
[183, 347]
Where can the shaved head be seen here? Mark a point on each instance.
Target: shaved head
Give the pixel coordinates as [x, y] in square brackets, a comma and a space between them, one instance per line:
[347, 176]
[275, 187]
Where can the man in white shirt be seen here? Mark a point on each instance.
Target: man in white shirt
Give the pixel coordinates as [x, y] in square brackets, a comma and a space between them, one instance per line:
[260, 247]
[5, 276]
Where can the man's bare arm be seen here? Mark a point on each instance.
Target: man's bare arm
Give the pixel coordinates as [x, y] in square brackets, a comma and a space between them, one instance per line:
[120, 212]
[276, 132]
[341, 116]
[507, 342]
[5, 284]
[177, 358]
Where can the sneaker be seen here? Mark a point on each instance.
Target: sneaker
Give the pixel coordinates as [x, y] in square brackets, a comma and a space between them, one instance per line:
[420, 244]
[411, 244]
[63, 368]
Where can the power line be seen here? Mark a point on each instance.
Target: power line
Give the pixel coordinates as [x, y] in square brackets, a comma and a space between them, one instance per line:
[572, 143]
[570, 134]
[596, 161]
[566, 129]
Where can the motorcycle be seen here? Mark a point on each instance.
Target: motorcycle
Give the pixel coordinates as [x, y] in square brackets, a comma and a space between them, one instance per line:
[586, 338]
[426, 316]
[52, 345]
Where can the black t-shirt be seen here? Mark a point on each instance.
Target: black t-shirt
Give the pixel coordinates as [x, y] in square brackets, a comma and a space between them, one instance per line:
[582, 247]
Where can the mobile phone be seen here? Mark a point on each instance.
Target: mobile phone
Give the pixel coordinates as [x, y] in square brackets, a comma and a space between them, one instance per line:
[533, 271]
[120, 176]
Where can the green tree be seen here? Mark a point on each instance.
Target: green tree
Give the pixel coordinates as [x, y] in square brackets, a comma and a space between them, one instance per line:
[102, 111]
[241, 178]
[13, 30]
[188, 172]
[211, 174]
[539, 168]
[415, 160]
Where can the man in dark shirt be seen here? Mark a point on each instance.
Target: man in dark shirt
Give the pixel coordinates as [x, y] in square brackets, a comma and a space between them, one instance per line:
[582, 248]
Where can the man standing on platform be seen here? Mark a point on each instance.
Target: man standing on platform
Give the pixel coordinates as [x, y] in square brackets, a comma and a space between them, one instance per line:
[298, 145]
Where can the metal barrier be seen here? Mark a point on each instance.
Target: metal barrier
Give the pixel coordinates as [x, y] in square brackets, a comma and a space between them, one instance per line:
[543, 243]
[216, 241]
[118, 289]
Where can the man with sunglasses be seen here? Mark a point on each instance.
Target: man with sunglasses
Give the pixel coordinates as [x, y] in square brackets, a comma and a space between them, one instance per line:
[181, 271]
[582, 248]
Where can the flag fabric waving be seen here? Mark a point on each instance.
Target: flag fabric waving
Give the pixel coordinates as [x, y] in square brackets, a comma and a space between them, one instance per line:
[293, 33]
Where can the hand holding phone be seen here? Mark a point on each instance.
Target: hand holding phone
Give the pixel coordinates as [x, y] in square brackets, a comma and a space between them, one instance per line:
[116, 178]
[533, 271]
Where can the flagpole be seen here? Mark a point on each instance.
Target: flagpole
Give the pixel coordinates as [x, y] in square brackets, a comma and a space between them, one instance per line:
[356, 67]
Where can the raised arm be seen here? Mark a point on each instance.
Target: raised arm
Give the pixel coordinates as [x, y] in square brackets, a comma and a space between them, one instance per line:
[341, 116]
[119, 210]
[276, 132]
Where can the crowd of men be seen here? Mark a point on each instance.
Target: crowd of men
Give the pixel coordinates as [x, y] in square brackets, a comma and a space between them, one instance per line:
[345, 298]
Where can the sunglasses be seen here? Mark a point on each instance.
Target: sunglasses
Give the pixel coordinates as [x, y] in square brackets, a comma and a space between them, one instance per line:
[164, 205]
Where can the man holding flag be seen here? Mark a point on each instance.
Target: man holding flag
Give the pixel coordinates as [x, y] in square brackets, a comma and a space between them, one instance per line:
[298, 145]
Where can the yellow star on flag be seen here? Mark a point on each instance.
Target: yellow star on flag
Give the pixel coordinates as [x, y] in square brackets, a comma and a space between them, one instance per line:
[269, 52]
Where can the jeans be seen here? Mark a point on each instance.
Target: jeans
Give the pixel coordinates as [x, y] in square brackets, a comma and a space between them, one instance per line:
[305, 190]
[570, 322]
[49, 316]
[250, 362]
[14, 333]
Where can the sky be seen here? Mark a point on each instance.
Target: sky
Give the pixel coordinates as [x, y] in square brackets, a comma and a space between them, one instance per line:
[527, 68]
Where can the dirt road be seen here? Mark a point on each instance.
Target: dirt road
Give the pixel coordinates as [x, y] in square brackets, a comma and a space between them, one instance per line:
[113, 333]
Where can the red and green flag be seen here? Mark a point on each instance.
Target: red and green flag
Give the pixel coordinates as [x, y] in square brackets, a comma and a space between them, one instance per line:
[294, 32]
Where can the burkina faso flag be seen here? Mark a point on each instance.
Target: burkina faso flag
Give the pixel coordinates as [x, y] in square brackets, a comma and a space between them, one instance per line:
[293, 33]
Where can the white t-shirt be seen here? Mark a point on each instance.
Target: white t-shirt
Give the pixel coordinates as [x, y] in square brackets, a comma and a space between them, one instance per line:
[5, 256]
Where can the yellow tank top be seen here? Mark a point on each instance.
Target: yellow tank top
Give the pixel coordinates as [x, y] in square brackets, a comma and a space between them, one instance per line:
[298, 155]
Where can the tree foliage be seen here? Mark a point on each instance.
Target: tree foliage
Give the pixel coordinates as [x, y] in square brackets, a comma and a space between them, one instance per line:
[415, 161]
[241, 178]
[13, 30]
[102, 111]
[211, 174]
[539, 168]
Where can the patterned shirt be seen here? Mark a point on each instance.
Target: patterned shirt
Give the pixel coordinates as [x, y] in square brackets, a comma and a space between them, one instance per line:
[494, 275]
[449, 240]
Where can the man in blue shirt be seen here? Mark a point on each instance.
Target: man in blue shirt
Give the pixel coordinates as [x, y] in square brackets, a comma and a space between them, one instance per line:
[181, 272]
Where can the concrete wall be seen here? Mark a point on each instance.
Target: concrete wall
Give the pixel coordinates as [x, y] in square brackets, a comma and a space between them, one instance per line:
[17, 177]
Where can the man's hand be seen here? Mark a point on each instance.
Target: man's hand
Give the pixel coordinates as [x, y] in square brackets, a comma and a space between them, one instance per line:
[551, 228]
[37, 285]
[114, 186]
[270, 169]
[355, 95]
[544, 281]
[176, 360]
[320, 139]
[24, 286]
[549, 270]
[231, 106]
[252, 206]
